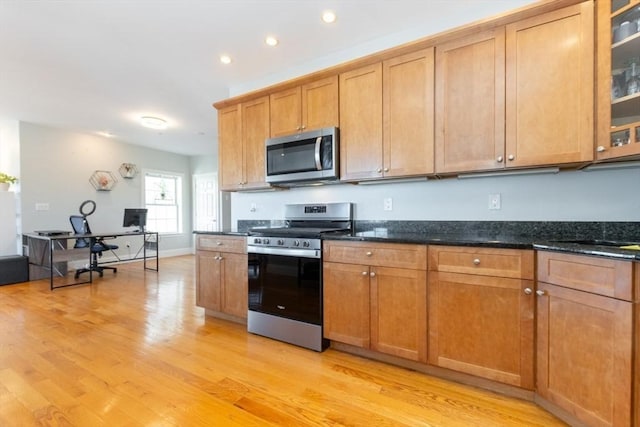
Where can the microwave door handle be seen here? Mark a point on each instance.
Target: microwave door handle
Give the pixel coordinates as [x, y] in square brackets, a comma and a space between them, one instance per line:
[317, 154]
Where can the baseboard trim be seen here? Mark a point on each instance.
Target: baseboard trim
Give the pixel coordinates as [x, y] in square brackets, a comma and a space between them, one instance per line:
[111, 259]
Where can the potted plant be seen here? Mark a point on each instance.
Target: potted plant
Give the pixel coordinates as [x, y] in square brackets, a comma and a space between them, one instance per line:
[6, 180]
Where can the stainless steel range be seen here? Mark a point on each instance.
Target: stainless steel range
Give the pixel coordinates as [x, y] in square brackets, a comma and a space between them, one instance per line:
[285, 273]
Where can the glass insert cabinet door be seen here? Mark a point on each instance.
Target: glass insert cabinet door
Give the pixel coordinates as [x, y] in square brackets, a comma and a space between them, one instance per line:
[619, 65]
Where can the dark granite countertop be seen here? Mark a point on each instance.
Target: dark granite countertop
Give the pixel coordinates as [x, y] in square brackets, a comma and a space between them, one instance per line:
[586, 238]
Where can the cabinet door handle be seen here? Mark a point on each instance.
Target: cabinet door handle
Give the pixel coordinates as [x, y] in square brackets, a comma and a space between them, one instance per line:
[216, 257]
[528, 291]
[511, 157]
[601, 149]
[386, 169]
[378, 170]
[540, 293]
[500, 159]
[369, 253]
[476, 261]
[364, 273]
[219, 243]
[303, 127]
[220, 258]
[372, 274]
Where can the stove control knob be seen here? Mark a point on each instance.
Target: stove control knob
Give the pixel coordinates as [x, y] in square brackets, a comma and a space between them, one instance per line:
[257, 240]
[306, 244]
[280, 242]
[296, 243]
[265, 241]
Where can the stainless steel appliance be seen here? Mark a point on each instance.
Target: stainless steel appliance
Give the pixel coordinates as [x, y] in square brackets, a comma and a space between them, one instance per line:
[285, 273]
[302, 158]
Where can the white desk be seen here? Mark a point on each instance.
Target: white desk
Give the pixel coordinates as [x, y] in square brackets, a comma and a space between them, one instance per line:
[53, 254]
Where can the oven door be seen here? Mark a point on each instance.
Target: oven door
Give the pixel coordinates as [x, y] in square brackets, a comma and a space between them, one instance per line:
[286, 286]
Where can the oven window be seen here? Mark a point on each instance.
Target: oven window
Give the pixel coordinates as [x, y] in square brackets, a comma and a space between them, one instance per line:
[286, 286]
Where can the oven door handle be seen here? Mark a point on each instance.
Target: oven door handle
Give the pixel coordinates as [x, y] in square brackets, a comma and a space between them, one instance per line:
[303, 253]
[317, 154]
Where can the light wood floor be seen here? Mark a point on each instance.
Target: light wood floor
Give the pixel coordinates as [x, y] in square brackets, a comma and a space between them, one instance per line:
[134, 350]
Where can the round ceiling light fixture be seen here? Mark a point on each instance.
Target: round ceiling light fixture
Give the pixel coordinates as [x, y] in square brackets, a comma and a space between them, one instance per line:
[271, 41]
[153, 122]
[328, 16]
[225, 59]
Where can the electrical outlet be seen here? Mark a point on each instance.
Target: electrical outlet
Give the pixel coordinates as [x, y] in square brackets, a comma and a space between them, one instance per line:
[388, 204]
[253, 207]
[495, 201]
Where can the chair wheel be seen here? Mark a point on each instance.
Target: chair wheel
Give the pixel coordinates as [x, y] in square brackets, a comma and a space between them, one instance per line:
[101, 274]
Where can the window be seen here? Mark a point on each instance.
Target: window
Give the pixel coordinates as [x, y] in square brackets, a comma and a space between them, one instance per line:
[163, 200]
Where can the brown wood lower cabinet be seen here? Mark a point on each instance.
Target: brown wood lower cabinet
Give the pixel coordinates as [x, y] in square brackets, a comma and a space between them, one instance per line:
[586, 342]
[479, 322]
[221, 275]
[377, 305]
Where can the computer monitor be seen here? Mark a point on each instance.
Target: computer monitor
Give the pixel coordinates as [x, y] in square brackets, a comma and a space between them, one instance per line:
[135, 217]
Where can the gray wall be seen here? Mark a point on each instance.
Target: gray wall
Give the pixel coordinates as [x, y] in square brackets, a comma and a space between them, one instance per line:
[55, 169]
[604, 195]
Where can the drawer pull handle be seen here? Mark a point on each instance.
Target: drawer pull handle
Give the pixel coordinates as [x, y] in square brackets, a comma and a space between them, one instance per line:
[528, 291]
[369, 253]
[364, 273]
[476, 261]
[540, 293]
[372, 274]
[281, 307]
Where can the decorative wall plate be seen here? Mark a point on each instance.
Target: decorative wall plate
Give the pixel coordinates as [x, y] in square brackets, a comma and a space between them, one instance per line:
[103, 180]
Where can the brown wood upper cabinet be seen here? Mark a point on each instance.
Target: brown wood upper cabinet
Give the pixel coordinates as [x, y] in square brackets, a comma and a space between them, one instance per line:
[618, 130]
[242, 130]
[517, 96]
[386, 118]
[470, 103]
[585, 337]
[308, 107]
[550, 88]
[481, 307]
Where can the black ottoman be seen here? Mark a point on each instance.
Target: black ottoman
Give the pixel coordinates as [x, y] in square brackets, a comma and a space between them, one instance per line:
[14, 269]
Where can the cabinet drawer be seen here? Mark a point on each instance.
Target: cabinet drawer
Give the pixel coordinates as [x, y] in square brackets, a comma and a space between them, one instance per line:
[603, 276]
[514, 263]
[377, 254]
[222, 244]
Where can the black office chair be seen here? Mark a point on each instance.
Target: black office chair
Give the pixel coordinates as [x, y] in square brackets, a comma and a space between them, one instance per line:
[81, 226]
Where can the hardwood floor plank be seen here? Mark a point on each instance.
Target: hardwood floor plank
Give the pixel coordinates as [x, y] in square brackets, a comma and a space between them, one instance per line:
[132, 349]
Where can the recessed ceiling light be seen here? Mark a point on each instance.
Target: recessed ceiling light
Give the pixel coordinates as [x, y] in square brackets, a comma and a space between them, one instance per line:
[225, 59]
[153, 122]
[271, 41]
[328, 16]
[105, 133]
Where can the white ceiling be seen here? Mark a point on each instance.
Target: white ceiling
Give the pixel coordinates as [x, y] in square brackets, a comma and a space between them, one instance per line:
[97, 65]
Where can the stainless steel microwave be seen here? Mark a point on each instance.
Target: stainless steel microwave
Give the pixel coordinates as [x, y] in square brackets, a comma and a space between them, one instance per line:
[303, 158]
